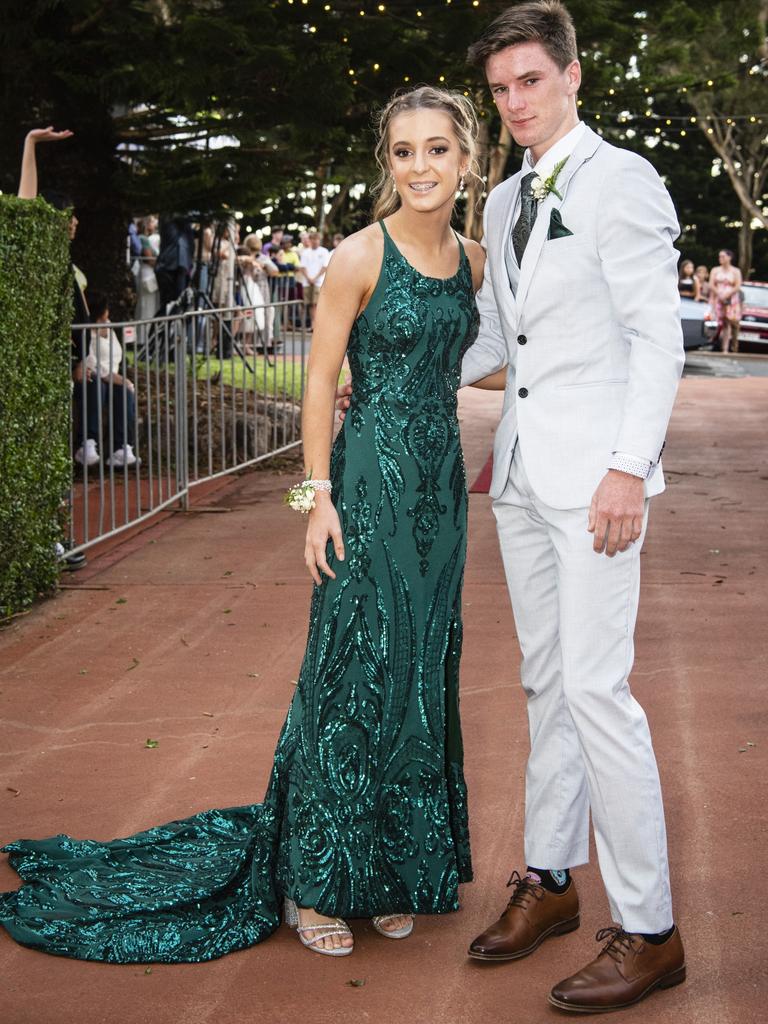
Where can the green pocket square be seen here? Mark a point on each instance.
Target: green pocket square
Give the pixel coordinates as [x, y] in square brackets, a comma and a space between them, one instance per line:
[556, 227]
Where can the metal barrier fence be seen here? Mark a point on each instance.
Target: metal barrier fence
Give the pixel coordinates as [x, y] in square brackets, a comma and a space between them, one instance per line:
[163, 405]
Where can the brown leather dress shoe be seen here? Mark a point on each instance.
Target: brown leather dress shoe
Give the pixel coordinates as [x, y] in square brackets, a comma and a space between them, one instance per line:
[626, 970]
[532, 915]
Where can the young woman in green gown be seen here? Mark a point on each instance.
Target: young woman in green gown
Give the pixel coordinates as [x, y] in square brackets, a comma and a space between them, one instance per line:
[365, 813]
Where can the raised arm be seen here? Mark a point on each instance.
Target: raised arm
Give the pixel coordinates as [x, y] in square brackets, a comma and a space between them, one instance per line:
[28, 182]
[348, 281]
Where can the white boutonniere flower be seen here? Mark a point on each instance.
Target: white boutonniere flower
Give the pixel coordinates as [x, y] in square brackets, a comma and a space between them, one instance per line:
[541, 187]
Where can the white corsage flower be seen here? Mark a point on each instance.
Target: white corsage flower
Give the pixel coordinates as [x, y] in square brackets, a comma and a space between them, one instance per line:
[301, 498]
[541, 187]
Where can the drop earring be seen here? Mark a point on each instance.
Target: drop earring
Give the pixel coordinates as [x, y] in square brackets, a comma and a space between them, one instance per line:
[461, 183]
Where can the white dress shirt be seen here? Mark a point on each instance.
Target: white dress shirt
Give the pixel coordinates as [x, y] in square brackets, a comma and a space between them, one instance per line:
[546, 164]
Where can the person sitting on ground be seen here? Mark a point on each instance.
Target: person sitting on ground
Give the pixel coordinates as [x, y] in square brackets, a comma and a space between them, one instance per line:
[104, 360]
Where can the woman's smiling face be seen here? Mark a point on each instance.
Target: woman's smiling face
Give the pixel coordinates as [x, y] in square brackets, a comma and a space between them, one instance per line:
[425, 158]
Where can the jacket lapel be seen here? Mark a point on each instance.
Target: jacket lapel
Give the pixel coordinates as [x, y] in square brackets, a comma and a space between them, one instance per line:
[585, 149]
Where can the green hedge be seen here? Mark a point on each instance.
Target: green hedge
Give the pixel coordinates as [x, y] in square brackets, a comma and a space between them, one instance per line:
[35, 314]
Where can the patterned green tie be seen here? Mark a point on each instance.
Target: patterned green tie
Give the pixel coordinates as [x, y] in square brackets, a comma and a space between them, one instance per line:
[521, 232]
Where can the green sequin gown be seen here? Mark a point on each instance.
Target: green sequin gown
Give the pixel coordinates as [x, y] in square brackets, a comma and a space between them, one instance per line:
[366, 809]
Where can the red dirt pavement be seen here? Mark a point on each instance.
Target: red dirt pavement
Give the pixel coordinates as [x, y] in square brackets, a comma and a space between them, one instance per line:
[191, 634]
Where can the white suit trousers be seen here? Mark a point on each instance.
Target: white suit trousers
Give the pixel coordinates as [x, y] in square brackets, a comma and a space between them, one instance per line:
[591, 747]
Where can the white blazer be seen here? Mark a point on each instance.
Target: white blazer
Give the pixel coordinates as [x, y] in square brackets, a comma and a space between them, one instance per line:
[592, 340]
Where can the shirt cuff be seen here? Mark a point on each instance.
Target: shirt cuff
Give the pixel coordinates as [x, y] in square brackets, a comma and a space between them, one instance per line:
[631, 464]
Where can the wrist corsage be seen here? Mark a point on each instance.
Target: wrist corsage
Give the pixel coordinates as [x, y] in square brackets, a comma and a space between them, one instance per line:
[301, 497]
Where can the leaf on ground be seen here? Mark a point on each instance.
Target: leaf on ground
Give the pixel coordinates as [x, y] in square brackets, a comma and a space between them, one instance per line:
[151, 744]
[122, 600]
[185, 642]
[750, 744]
[253, 675]
[208, 714]
[12, 790]
[228, 572]
[147, 970]
[356, 982]
[83, 671]
[742, 750]
[227, 611]
[133, 666]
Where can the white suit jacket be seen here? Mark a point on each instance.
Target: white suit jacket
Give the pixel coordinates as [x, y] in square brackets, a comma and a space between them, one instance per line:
[592, 340]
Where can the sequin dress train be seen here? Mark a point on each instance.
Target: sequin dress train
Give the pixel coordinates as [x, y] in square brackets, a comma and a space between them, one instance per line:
[366, 811]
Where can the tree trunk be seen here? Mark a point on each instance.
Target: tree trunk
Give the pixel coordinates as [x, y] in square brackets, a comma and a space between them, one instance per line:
[746, 234]
[337, 206]
[493, 162]
[498, 158]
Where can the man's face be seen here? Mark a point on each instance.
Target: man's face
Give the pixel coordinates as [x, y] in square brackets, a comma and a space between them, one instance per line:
[534, 97]
[314, 241]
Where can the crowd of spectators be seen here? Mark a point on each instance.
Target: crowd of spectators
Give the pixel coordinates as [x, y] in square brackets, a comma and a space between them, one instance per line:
[228, 271]
[721, 288]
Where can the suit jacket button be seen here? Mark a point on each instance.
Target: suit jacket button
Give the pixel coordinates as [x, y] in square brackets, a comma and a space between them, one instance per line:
[523, 392]
[521, 339]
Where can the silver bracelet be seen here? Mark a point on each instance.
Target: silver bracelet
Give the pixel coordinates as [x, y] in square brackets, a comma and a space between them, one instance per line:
[318, 485]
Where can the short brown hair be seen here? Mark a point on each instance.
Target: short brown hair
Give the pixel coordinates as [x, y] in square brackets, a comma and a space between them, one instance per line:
[541, 21]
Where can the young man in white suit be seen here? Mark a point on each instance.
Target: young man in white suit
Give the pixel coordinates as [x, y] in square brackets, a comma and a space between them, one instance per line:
[580, 312]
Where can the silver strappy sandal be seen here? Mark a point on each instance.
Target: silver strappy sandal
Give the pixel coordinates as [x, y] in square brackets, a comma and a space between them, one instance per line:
[398, 933]
[335, 927]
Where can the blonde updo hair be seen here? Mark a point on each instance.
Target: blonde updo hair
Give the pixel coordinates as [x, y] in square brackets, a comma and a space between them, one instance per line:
[425, 97]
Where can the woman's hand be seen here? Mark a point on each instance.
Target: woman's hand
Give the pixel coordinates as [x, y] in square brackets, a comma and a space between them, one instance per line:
[323, 523]
[28, 181]
[48, 135]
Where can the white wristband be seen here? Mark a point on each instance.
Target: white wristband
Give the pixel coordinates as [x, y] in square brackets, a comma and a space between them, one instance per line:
[318, 485]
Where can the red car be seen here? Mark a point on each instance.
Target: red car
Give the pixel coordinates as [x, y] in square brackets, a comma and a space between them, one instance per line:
[753, 329]
[754, 318]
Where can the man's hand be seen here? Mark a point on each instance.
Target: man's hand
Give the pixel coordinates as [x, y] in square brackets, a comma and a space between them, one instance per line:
[616, 512]
[343, 400]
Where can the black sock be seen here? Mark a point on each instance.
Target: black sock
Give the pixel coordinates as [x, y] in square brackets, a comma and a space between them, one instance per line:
[658, 938]
[552, 881]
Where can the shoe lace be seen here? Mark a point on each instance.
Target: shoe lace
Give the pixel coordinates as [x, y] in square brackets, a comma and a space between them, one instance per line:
[619, 942]
[524, 888]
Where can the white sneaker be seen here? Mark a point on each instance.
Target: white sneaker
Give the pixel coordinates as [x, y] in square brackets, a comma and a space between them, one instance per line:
[88, 454]
[123, 457]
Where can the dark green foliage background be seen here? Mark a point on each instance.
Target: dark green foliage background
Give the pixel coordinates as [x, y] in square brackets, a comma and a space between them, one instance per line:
[35, 313]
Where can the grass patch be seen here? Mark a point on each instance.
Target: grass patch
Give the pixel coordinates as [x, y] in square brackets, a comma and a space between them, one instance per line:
[284, 378]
